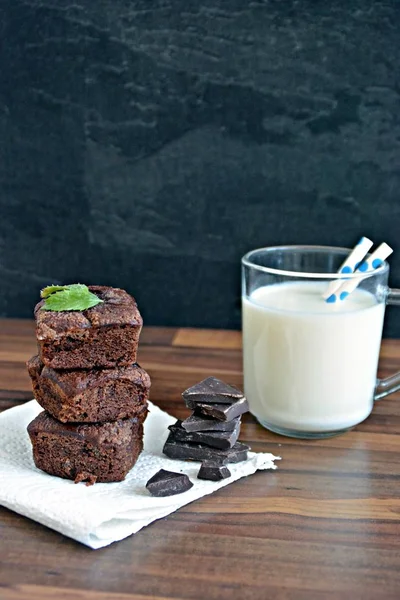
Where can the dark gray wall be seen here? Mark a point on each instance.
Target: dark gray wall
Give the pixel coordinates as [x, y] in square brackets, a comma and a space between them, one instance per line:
[148, 144]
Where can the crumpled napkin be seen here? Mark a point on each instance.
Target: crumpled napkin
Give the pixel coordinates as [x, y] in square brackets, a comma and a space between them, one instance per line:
[105, 512]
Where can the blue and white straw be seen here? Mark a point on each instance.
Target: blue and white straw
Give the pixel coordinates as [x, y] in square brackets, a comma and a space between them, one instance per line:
[349, 266]
[370, 264]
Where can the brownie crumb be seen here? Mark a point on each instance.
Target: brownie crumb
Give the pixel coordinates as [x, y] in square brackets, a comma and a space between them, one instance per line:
[88, 477]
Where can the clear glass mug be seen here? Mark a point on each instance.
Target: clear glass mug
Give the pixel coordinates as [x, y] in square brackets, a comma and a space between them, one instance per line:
[309, 366]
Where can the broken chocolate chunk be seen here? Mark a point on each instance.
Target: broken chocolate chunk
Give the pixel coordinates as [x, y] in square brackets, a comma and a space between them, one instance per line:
[212, 390]
[222, 412]
[215, 439]
[213, 471]
[168, 483]
[199, 422]
[189, 451]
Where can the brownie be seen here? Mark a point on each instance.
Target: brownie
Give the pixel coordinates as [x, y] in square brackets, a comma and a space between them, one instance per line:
[90, 396]
[105, 335]
[101, 452]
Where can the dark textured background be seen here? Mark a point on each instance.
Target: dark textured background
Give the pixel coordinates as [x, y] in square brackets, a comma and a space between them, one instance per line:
[149, 148]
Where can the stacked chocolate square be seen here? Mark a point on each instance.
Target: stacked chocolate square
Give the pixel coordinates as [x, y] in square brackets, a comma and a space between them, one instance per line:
[210, 434]
[94, 393]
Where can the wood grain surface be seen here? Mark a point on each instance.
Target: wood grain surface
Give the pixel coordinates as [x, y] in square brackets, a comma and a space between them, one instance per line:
[326, 524]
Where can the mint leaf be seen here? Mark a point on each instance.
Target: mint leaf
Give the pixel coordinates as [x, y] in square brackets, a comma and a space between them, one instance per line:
[79, 287]
[70, 297]
[50, 289]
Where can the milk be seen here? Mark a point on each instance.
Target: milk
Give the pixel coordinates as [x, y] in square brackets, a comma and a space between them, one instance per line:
[308, 365]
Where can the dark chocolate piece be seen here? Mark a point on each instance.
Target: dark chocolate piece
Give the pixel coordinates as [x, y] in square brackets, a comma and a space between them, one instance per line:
[188, 451]
[215, 439]
[212, 390]
[202, 423]
[213, 471]
[168, 483]
[222, 412]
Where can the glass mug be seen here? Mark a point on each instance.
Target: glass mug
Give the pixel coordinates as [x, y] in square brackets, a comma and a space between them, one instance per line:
[309, 366]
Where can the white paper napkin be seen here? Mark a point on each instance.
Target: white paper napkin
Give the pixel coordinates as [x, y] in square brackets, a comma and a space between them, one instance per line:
[105, 512]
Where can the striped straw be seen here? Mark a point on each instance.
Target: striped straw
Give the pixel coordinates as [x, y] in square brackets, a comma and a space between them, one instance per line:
[370, 264]
[349, 266]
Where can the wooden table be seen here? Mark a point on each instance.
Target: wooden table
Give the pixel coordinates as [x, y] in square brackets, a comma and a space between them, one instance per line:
[326, 524]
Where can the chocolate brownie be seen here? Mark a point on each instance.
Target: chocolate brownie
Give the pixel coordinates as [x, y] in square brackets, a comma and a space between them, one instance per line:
[90, 396]
[100, 452]
[105, 335]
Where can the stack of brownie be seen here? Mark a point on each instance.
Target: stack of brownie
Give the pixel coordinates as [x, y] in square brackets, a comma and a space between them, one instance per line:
[94, 393]
[211, 432]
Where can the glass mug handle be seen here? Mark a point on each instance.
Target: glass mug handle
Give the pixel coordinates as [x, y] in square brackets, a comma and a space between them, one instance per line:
[390, 384]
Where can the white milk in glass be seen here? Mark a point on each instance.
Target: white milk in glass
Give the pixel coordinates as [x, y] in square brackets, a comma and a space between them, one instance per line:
[308, 365]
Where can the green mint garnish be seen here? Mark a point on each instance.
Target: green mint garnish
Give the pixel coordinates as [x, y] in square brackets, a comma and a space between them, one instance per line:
[50, 289]
[68, 297]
